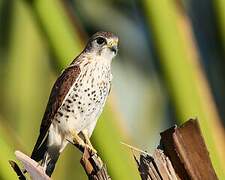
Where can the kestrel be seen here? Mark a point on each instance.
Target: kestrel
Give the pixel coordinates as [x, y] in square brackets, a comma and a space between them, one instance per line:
[76, 100]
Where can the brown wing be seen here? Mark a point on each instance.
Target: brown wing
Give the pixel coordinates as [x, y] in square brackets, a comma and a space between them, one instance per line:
[58, 93]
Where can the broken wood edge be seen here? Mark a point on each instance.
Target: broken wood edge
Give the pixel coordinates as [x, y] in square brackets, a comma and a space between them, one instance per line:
[186, 148]
[155, 167]
[93, 166]
[182, 154]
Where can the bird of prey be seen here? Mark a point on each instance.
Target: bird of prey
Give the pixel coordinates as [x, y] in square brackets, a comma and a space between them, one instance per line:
[76, 100]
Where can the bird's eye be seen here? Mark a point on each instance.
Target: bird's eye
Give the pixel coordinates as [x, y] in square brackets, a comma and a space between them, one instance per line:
[100, 40]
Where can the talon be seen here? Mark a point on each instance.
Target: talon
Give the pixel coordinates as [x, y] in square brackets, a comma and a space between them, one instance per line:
[76, 140]
[79, 142]
[86, 138]
[91, 149]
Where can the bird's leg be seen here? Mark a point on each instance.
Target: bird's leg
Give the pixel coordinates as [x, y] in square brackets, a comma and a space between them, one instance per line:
[77, 140]
[80, 143]
[84, 133]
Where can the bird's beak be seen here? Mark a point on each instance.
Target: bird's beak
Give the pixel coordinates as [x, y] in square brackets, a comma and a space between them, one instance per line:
[114, 49]
[113, 46]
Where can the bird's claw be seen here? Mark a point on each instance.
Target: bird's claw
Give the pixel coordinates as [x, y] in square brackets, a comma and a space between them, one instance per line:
[88, 142]
[82, 144]
[90, 149]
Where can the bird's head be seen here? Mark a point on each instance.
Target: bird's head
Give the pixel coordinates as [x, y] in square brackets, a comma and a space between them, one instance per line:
[104, 44]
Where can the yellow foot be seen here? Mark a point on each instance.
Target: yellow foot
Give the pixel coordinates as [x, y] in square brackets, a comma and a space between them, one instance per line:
[88, 142]
[76, 139]
[91, 149]
[80, 143]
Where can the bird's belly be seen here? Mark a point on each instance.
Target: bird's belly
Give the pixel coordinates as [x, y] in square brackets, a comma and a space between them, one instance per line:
[82, 107]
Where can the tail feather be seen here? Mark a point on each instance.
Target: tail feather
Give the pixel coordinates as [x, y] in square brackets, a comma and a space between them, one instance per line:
[51, 166]
[39, 150]
[49, 161]
[47, 152]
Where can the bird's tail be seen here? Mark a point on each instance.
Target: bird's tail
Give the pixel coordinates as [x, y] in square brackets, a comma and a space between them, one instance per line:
[50, 158]
[40, 148]
[47, 156]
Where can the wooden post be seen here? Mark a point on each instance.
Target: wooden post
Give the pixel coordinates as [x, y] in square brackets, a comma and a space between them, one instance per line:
[182, 154]
[94, 167]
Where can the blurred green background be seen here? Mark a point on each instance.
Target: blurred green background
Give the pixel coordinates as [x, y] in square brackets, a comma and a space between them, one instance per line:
[170, 68]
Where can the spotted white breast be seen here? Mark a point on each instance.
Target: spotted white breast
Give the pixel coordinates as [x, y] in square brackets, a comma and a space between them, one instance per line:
[85, 100]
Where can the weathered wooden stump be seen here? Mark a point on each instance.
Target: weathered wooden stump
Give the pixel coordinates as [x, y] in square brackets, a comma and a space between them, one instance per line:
[182, 154]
